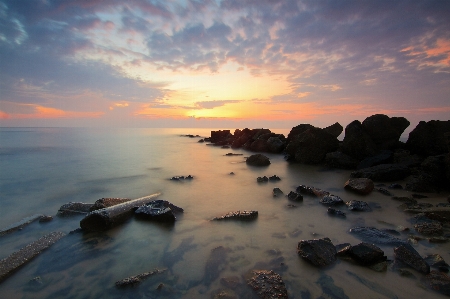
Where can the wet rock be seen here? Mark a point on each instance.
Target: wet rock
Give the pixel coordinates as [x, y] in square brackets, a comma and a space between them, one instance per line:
[435, 260]
[267, 284]
[20, 224]
[384, 192]
[340, 160]
[263, 179]
[319, 252]
[331, 200]
[366, 254]
[360, 185]
[21, 257]
[258, 160]
[181, 178]
[158, 210]
[134, 280]
[295, 196]
[223, 294]
[376, 236]
[335, 129]
[274, 178]
[73, 208]
[238, 215]
[311, 191]
[107, 202]
[409, 256]
[383, 157]
[335, 212]
[233, 154]
[276, 192]
[275, 145]
[428, 139]
[358, 205]
[329, 289]
[429, 228]
[438, 281]
[214, 264]
[45, 218]
[383, 172]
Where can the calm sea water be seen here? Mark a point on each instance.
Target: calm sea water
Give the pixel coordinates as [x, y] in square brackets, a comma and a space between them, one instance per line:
[44, 168]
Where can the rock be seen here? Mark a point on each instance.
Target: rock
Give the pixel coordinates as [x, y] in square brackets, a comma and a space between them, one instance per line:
[335, 129]
[267, 284]
[384, 192]
[331, 200]
[358, 205]
[433, 228]
[158, 210]
[335, 212]
[385, 131]
[275, 145]
[295, 196]
[360, 185]
[319, 252]
[435, 260]
[340, 160]
[214, 264]
[373, 235]
[276, 192]
[439, 282]
[263, 179]
[258, 160]
[311, 146]
[181, 178]
[409, 256]
[238, 215]
[45, 218]
[72, 208]
[134, 280]
[311, 191]
[383, 172]
[357, 143]
[107, 202]
[384, 157]
[297, 130]
[233, 154]
[404, 157]
[428, 139]
[366, 254]
[221, 135]
[395, 186]
[329, 289]
[274, 178]
[20, 224]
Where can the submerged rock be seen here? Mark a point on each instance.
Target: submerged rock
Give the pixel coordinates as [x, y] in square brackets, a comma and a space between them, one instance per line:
[214, 264]
[295, 196]
[267, 284]
[335, 212]
[319, 252]
[263, 179]
[238, 215]
[134, 280]
[376, 236]
[21, 224]
[276, 192]
[409, 256]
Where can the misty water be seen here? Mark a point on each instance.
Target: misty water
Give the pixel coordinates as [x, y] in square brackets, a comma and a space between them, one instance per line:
[44, 168]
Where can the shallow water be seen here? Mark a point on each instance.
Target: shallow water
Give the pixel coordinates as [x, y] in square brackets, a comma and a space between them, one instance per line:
[44, 168]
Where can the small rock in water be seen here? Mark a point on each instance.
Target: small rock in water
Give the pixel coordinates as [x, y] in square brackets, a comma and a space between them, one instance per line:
[358, 205]
[267, 284]
[295, 196]
[277, 192]
[274, 178]
[319, 252]
[360, 185]
[366, 254]
[238, 215]
[438, 281]
[331, 200]
[335, 212]
[45, 218]
[262, 179]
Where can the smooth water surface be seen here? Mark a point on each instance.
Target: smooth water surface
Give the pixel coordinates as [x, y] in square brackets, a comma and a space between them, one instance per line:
[44, 168]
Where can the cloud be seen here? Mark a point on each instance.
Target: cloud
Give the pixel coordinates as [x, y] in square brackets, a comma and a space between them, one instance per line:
[213, 104]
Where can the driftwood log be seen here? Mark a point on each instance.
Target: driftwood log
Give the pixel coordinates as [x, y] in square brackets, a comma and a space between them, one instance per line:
[103, 219]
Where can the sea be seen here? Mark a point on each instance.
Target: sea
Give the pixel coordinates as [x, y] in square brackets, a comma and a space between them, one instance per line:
[42, 169]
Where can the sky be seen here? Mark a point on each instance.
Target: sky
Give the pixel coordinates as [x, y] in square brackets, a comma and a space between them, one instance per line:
[222, 64]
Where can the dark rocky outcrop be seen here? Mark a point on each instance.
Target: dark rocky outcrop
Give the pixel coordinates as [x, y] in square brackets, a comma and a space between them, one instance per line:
[357, 143]
[258, 160]
[73, 208]
[383, 172]
[409, 256]
[295, 196]
[107, 202]
[432, 176]
[238, 215]
[158, 210]
[319, 252]
[383, 157]
[267, 284]
[360, 185]
[428, 138]
[276, 192]
[340, 160]
[438, 281]
[335, 129]
[385, 131]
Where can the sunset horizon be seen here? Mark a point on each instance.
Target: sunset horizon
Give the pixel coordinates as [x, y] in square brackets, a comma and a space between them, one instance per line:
[214, 64]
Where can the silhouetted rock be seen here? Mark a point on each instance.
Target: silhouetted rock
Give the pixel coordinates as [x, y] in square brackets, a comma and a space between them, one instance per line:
[428, 138]
[298, 130]
[335, 129]
[409, 256]
[221, 135]
[384, 131]
[275, 144]
[258, 160]
[357, 143]
[340, 160]
[383, 172]
[319, 252]
[360, 185]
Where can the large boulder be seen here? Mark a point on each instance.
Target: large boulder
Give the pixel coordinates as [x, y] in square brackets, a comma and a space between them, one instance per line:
[319, 252]
[335, 129]
[359, 185]
[428, 138]
[258, 160]
[366, 254]
[357, 143]
[311, 146]
[409, 256]
[385, 131]
[298, 130]
[383, 172]
[221, 135]
[276, 144]
[340, 160]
